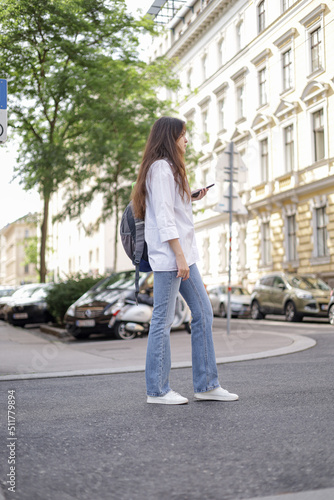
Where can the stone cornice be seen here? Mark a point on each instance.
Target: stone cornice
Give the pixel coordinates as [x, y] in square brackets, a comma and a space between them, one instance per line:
[204, 19]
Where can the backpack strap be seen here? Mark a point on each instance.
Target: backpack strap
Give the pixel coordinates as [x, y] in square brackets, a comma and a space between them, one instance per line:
[140, 242]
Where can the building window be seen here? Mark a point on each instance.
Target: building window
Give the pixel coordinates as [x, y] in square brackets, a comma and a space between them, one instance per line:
[242, 247]
[315, 38]
[204, 115]
[26, 269]
[221, 116]
[287, 69]
[261, 16]
[266, 244]
[26, 233]
[262, 87]
[289, 148]
[239, 35]
[206, 255]
[292, 238]
[190, 118]
[204, 67]
[318, 135]
[205, 175]
[322, 249]
[287, 4]
[222, 253]
[189, 78]
[264, 160]
[240, 101]
[221, 50]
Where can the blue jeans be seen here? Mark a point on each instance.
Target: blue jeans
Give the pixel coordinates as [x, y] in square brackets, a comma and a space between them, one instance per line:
[158, 357]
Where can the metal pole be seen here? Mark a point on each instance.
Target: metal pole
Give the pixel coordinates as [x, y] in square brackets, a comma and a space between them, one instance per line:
[230, 208]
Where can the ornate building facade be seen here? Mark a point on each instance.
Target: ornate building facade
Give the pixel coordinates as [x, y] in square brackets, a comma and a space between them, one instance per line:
[261, 74]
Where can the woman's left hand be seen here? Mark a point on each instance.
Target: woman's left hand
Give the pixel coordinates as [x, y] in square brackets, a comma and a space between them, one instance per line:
[201, 194]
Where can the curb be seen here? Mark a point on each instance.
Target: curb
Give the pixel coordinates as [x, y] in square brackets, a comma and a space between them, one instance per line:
[299, 343]
[53, 330]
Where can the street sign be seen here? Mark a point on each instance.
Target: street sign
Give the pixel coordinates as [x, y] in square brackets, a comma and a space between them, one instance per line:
[237, 205]
[3, 110]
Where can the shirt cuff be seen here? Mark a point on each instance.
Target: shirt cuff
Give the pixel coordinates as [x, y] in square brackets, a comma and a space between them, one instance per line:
[169, 233]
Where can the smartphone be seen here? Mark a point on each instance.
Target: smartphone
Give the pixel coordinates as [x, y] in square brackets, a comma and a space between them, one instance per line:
[196, 193]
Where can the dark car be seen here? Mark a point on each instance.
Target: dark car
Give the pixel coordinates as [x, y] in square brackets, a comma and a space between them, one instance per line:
[293, 295]
[27, 305]
[239, 300]
[93, 311]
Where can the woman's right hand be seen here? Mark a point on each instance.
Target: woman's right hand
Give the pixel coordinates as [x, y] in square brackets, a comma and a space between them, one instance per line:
[181, 263]
[182, 268]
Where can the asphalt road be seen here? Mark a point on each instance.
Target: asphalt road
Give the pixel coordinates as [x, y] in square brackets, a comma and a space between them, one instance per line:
[95, 437]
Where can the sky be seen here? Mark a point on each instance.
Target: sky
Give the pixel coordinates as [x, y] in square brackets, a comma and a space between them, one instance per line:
[15, 202]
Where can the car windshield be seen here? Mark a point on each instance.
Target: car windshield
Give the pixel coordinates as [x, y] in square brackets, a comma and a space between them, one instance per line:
[26, 292]
[40, 293]
[299, 282]
[317, 283]
[6, 293]
[121, 280]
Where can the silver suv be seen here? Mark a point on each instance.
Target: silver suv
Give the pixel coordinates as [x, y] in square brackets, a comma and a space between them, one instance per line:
[293, 295]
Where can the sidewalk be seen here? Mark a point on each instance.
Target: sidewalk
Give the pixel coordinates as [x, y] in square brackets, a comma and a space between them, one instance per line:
[27, 354]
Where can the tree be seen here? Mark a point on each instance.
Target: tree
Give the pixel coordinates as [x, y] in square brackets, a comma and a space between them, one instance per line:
[73, 69]
[109, 150]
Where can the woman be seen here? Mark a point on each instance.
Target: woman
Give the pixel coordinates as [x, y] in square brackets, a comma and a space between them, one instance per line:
[162, 195]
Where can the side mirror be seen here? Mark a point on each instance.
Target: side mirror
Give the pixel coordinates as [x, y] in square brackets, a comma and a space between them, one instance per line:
[281, 286]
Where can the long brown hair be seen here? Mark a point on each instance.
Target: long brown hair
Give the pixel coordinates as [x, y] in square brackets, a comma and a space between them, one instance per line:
[161, 143]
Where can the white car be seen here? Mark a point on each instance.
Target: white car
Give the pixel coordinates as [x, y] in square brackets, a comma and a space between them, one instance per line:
[240, 300]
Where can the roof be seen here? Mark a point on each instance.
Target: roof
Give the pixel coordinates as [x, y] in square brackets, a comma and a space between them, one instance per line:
[163, 11]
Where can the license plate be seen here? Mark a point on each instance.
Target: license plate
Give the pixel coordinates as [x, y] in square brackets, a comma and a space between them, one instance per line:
[85, 322]
[324, 307]
[20, 315]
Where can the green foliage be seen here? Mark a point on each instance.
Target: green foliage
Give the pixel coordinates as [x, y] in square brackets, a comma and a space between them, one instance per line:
[30, 250]
[63, 294]
[80, 99]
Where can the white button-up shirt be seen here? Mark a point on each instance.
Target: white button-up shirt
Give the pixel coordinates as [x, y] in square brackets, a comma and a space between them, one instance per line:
[167, 217]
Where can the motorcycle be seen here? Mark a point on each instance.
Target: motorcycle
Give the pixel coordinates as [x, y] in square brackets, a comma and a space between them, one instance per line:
[130, 320]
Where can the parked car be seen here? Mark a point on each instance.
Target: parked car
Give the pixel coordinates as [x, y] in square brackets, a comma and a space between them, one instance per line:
[293, 295]
[239, 300]
[27, 305]
[331, 308]
[5, 293]
[93, 311]
[109, 307]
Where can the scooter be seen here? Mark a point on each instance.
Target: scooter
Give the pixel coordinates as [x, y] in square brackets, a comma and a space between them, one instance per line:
[130, 320]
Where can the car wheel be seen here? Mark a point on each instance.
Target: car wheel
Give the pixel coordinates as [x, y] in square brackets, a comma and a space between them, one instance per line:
[331, 314]
[255, 311]
[222, 311]
[291, 314]
[121, 334]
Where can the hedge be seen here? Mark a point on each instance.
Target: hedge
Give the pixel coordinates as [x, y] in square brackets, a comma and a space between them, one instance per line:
[64, 293]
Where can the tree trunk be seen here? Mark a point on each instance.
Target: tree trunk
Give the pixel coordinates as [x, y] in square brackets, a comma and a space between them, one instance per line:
[44, 235]
[116, 232]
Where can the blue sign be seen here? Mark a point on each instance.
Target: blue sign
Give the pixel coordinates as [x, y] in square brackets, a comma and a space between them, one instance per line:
[3, 93]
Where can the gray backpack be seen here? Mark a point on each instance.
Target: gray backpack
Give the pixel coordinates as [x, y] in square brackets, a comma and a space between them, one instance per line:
[132, 233]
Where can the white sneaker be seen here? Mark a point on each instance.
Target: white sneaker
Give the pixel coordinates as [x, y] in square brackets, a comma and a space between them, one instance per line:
[218, 394]
[171, 398]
